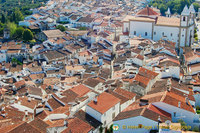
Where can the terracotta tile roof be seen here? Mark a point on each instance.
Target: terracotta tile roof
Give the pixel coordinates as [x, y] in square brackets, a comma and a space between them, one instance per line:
[91, 82]
[145, 112]
[77, 125]
[102, 104]
[39, 124]
[53, 33]
[34, 91]
[122, 98]
[147, 12]
[25, 102]
[61, 110]
[69, 96]
[140, 57]
[143, 81]
[147, 73]
[24, 128]
[8, 128]
[81, 90]
[13, 114]
[19, 83]
[168, 21]
[54, 103]
[125, 93]
[75, 68]
[37, 76]
[87, 118]
[159, 111]
[42, 115]
[58, 123]
[128, 114]
[173, 99]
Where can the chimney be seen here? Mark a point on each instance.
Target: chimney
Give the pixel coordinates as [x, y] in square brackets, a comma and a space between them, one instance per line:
[187, 100]
[26, 113]
[19, 102]
[65, 123]
[179, 104]
[16, 98]
[168, 88]
[29, 99]
[144, 102]
[95, 100]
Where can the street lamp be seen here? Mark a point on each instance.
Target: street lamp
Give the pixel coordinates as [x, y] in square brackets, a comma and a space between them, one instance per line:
[159, 120]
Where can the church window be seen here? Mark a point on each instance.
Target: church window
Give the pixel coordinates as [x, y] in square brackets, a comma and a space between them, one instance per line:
[145, 33]
[134, 32]
[183, 18]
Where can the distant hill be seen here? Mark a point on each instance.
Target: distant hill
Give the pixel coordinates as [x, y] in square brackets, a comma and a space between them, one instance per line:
[7, 6]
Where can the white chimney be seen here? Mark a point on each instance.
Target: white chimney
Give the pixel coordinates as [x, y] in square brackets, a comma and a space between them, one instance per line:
[29, 99]
[179, 104]
[95, 100]
[19, 102]
[26, 113]
[65, 123]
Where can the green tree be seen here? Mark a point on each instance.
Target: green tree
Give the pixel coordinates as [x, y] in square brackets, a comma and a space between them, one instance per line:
[12, 27]
[27, 35]
[19, 32]
[61, 28]
[3, 18]
[196, 6]
[184, 125]
[82, 28]
[163, 9]
[195, 129]
[155, 4]
[17, 16]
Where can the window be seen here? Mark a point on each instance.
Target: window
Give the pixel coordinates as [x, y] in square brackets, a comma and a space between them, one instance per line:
[183, 18]
[113, 115]
[163, 33]
[104, 123]
[174, 114]
[171, 34]
[145, 33]
[182, 35]
[134, 32]
[154, 33]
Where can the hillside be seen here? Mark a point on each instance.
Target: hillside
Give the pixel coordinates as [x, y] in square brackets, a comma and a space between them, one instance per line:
[176, 6]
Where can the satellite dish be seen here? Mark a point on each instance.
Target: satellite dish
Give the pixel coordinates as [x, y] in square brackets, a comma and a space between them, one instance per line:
[168, 122]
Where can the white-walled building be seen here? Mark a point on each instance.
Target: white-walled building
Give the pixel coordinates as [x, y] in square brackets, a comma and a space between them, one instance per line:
[104, 108]
[149, 24]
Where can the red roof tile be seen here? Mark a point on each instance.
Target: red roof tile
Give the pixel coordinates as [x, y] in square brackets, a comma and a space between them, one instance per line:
[81, 90]
[105, 101]
[147, 12]
[125, 93]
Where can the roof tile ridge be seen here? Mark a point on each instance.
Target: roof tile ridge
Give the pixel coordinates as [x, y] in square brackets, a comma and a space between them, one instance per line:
[142, 112]
[163, 97]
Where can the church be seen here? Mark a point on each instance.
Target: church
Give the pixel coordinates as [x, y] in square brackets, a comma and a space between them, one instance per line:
[148, 23]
